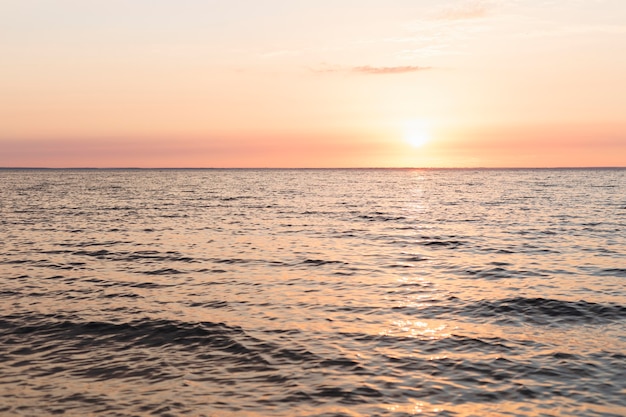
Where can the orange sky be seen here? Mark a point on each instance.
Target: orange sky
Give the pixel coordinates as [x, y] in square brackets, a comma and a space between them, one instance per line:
[111, 83]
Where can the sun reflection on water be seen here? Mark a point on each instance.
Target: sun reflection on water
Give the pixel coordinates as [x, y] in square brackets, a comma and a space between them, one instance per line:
[413, 408]
[416, 328]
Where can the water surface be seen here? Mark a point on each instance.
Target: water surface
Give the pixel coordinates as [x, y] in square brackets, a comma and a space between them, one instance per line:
[312, 292]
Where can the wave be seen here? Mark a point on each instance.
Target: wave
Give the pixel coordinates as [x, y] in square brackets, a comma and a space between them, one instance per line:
[547, 311]
[142, 331]
[539, 311]
[380, 217]
[612, 272]
[57, 333]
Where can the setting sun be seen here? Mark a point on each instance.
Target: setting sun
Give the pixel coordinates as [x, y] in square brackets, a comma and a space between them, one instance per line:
[417, 133]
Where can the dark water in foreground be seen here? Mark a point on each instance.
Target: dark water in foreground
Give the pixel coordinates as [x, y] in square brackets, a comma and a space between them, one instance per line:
[312, 292]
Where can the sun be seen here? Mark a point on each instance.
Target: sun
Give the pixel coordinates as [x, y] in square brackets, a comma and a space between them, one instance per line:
[417, 133]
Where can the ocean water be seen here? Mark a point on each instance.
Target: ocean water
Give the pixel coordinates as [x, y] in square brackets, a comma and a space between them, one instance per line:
[313, 292]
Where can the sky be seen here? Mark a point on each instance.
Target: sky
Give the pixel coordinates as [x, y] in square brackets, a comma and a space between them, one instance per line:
[320, 83]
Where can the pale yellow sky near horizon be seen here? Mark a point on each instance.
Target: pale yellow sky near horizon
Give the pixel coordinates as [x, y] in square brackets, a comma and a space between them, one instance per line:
[312, 83]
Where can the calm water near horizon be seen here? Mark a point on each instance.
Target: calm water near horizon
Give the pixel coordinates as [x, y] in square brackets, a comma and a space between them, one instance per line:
[389, 292]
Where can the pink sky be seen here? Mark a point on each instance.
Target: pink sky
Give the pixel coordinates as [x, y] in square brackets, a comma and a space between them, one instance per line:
[312, 84]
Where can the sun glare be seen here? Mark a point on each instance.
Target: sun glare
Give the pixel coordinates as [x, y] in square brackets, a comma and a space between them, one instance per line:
[417, 133]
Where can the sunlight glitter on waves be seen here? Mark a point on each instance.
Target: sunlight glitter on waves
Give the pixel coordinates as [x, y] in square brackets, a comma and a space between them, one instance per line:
[413, 408]
[417, 329]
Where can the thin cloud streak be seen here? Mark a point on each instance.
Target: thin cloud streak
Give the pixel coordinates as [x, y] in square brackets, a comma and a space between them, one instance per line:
[371, 70]
[388, 70]
[466, 11]
[576, 30]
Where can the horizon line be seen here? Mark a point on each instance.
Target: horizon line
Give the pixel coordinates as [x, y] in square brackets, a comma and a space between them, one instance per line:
[307, 168]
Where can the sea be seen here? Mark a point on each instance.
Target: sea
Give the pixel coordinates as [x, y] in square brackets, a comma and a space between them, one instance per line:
[313, 292]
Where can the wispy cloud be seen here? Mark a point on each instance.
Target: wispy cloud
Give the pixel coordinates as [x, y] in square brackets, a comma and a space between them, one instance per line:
[475, 9]
[371, 70]
[388, 70]
[576, 30]
[281, 53]
[447, 30]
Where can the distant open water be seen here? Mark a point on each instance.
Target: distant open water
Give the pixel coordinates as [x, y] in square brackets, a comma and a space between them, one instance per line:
[313, 292]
